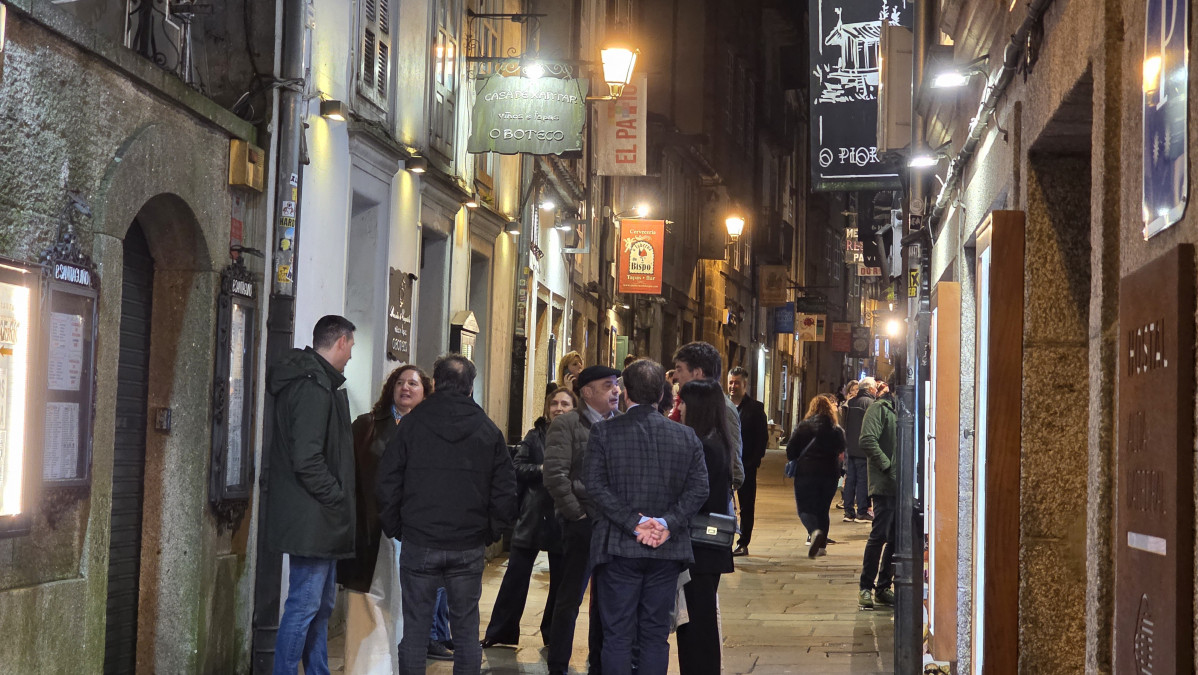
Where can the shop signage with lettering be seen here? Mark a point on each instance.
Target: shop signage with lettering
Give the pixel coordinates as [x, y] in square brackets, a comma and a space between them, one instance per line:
[845, 73]
[399, 317]
[541, 116]
[620, 126]
[641, 244]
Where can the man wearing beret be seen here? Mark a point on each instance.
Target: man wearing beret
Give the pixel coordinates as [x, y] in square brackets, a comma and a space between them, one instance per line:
[565, 448]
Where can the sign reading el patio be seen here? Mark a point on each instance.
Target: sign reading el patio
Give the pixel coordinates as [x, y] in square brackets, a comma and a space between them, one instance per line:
[640, 256]
[541, 116]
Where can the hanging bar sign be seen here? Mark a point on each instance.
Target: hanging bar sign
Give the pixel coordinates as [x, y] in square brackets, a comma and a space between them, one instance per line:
[844, 37]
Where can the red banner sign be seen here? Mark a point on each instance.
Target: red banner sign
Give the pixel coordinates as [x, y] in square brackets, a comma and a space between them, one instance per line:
[641, 248]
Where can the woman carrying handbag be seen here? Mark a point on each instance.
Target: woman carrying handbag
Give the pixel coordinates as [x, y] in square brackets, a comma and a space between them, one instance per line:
[702, 408]
[813, 453]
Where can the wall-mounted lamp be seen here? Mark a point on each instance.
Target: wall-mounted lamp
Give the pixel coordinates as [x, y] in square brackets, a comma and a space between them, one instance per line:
[952, 75]
[332, 109]
[925, 157]
[534, 70]
[894, 328]
[548, 204]
[735, 225]
[472, 202]
[640, 211]
[513, 227]
[416, 164]
[619, 60]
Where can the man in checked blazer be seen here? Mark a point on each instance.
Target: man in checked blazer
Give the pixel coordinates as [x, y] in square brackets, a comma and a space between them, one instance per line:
[646, 477]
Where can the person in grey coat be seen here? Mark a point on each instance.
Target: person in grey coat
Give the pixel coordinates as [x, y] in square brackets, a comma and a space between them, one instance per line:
[310, 505]
[647, 477]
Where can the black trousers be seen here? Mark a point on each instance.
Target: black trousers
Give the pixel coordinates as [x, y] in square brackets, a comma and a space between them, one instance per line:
[421, 572]
[747, 494]
[879, 550]
[513, 595]
[856, 483]
[576, 542]
[699, 638]
[813, 496]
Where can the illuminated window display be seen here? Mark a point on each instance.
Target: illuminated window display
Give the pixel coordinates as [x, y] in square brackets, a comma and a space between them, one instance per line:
[17, 337]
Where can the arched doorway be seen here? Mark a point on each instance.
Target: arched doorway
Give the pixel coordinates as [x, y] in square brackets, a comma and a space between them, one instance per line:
[129, 454]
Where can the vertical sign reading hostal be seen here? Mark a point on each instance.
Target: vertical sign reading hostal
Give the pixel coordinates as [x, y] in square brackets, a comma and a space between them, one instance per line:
[640, 256]
[1154, 499]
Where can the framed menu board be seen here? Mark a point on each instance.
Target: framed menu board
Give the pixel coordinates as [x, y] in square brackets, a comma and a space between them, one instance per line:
[231, 476]
[69, 326]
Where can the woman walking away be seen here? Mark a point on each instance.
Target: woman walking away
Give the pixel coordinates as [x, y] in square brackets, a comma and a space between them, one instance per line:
[816, 444]
[536, 530]
[702, 409]
[373, 611]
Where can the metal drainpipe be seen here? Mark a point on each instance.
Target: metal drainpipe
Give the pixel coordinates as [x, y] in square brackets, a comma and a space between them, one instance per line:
[280, 320]
[1012, 56]
[908, 517]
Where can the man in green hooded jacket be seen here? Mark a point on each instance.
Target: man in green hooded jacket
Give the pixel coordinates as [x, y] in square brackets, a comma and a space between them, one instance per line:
[878, 442]
[310, 489]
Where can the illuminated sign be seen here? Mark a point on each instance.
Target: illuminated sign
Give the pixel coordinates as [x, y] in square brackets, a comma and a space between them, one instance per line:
[15, 302]
[72, 275]
[538, 116]
[641, 244]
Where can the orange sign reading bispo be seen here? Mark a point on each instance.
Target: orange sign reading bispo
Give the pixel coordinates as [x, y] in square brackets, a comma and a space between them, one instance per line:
[641, 243]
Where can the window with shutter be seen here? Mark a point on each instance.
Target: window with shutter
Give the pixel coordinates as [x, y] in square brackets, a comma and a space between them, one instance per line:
[443, 125]
[374, 72]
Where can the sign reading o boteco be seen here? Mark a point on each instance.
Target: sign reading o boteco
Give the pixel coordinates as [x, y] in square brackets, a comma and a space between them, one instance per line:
[541, 116]
[1154, 499]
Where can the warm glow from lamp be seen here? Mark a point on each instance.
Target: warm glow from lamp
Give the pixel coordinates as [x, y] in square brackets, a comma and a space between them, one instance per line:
[534, 70]
[416, 164]
[922, 161]
[513, 227]
[642, 210]
[894, 328]
[332, 110]
[735, 225]
[1152, 73]
[548, 205]
[619, 60]
[472, 202]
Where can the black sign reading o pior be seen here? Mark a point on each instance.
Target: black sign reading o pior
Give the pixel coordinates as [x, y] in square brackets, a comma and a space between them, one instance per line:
[845, 73]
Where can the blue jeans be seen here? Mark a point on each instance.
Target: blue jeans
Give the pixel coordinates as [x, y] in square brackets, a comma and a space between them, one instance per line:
[856, 483]
[304, 628]
[422, 571]
[636, 597]
[440, 631]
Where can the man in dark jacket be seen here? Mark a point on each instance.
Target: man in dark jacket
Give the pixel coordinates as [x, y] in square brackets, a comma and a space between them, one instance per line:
[446, 489]
[878, 436]
[310, 489]
[856, 499]
[647, 477]
[755, 433]
[565, 447]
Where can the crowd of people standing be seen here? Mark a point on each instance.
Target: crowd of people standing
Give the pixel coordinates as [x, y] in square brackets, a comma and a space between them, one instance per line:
[629, 481]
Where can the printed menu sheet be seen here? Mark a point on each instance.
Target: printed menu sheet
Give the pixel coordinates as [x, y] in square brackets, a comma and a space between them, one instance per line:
[233, 455]
[62, 441]
[65, 368]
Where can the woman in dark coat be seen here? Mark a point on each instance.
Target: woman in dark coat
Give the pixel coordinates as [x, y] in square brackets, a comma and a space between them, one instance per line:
[536, 530]
[702, 409]
[817, 444]
[374, 610]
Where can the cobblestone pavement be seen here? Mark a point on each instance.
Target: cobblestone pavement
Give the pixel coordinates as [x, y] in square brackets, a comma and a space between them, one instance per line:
[782, 612]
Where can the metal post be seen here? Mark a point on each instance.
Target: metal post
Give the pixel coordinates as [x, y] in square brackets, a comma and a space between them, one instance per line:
[280, 320]
[909, 538]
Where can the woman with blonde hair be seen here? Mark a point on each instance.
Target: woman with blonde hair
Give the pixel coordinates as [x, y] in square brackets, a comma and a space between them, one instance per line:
[568, 368]
[816, 445]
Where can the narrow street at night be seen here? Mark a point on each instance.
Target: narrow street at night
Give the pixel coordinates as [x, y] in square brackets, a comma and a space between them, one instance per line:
[782, 611]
